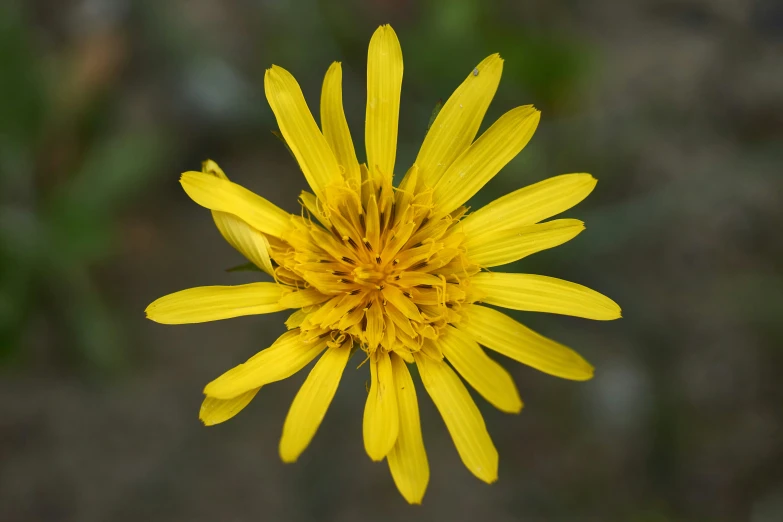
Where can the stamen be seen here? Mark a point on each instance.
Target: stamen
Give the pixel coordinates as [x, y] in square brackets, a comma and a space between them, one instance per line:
[378, 259]
[346, 281]
[396, 261]
[334, 231]
[351, 241]
[424, 222]
[423, 286]
[338, 273]
[354, 292]
[408, 295]
[367, 243]
[348, 260]
[418, 265]
[369, 305]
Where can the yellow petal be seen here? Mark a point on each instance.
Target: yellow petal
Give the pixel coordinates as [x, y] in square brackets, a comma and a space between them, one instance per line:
[462, 417]
[485, 157]
[384, 82]
[335, 127]
[224, 196]
[287, 355]
[408, 459]
[501, 333]
[535, 293]
[485, 375]
[245, 239]
[458, 121]
[310, 404]
[298, 127]
[302, 298]
[212, 303]
[530, 204]
[381, 418]
[402, 303]
[214, 411]
[505, 246]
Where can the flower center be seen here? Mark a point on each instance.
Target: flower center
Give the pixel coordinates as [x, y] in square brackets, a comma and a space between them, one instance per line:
[384, 269]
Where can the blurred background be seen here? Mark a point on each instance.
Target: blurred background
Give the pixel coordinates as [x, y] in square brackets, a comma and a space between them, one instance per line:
[676, 106]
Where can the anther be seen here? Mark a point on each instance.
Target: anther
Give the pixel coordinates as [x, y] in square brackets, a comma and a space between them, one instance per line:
[396, 278]
[423, 286]
[354, 292]
[334, 231]
[348, 260]
[396, 261]
[408, 295]
[418, 265]
[424, 222]
[346, 281]
[352, 242]
[369, 304]
[367, 243]
[338, 273]
[378, 259]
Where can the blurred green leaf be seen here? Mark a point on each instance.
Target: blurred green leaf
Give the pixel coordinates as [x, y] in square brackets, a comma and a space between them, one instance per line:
[22, 103]
[114, 171]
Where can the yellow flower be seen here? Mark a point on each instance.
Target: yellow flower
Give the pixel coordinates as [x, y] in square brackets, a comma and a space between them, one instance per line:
[394, 271]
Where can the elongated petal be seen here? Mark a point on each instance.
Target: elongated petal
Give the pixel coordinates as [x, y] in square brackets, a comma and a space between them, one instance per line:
[485, 375]
[287, 355]
[245, 239]
[381, 417]
[310, 404]
[300, 131]
[302, 298]
[408, 459]
[224, 196]
[214, 411]
[501, 333]
[530, 204]
[458, 121]
[384, 82]
[212, 303]
[462, 417]
[335, 127]
[505, 246]
[482, 160]
[535, 293]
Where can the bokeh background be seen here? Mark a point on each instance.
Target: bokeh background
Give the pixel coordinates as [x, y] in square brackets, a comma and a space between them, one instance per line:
[676, 106]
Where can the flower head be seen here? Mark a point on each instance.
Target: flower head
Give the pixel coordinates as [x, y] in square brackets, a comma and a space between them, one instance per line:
[396, 272]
